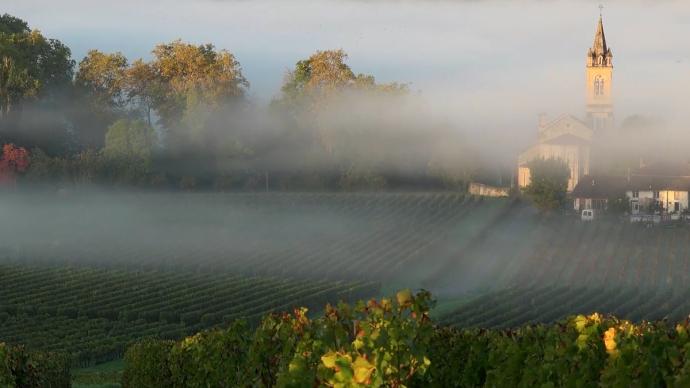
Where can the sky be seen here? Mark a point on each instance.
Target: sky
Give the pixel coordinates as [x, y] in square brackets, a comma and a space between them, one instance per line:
[485, 64]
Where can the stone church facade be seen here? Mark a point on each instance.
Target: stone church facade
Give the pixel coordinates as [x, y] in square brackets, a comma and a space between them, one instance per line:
[567, 137]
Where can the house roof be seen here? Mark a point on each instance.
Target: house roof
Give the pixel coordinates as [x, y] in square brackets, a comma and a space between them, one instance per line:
[599, 187]
[605, 186]
[658, 183]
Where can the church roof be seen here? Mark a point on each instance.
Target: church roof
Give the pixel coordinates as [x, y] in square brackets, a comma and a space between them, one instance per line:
[599, 45]
[557, 131]
[568, 139]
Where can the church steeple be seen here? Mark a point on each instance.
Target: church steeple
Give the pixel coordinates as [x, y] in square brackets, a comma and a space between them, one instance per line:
[599, 45]
[599, 79]
[599, 54]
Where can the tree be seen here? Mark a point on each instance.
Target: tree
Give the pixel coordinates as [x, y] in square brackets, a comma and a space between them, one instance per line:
[548, 183]
[187, 76]
[130, 139]
[318, 97]
[35, 74]
[100, 86]
[315, 80]
[102, 76]
[31, 66]
[141, 87]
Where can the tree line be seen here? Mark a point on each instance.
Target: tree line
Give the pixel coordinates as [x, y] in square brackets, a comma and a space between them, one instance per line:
[183, 119]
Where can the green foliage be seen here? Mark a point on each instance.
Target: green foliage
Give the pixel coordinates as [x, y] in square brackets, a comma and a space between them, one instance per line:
[130, 139]
[581, 351]
[378, 343]
[212, 358]
[23, 369]
[31, 65]
[393, 343]
[548, 183]
[147, 364]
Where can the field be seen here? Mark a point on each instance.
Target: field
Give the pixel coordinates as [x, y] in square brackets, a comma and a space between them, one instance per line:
[90, 273]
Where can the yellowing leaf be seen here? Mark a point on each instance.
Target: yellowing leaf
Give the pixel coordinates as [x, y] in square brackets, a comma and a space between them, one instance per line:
[329, 359]
[404, 297]
[610, 339]
[580, 322]
[363, 370]
[595, 317]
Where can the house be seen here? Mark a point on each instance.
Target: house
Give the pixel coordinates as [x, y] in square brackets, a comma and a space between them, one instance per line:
[595, 192]
[661, 187]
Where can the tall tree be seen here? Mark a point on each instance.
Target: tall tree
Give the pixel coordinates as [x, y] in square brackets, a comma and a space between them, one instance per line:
[548, 183]
[319, 95]
[35, 75]
[142, 88]
[31, 65]
[190, 76]
[100, 88]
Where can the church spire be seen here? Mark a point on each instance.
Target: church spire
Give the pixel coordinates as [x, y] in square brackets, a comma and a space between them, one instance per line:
[599, 54]
[599, 46]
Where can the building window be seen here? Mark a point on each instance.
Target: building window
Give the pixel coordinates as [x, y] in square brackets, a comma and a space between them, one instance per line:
[656, 195]
[598, 86]
[636, 194]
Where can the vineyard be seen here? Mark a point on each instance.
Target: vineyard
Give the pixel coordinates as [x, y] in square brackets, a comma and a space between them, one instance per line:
[561, 266]
[93, 313]
[402, 238]
[89, 274]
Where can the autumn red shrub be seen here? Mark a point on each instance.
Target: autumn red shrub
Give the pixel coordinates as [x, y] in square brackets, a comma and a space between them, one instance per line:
[14, 160]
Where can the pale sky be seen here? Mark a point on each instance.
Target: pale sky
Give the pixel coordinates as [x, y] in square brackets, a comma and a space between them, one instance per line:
[487, 64]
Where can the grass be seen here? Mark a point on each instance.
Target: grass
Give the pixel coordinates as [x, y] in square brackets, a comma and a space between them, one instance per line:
[106, 375]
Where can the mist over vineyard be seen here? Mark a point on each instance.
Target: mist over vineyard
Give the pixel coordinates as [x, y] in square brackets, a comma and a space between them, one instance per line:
[452, 244]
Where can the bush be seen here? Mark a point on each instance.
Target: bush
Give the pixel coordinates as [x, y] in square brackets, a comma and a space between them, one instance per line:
[21, 368]
[212, 359]
[147, 364]
[350, 346]
[393, 343]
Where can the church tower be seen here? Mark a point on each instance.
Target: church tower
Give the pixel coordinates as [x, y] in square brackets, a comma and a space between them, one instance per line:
[599, 79]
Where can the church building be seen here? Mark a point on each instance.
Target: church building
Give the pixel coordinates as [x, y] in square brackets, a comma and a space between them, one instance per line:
[567, 137]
